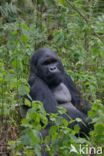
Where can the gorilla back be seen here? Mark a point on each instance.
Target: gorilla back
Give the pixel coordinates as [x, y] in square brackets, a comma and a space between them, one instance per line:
[50, 84]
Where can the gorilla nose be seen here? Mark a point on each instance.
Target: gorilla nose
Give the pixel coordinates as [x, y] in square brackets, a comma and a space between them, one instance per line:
[53, 69]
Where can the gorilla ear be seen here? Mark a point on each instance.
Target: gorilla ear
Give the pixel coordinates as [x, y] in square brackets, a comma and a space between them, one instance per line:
[32, 68]
[33, 63]
[32, 72]
[34, 59]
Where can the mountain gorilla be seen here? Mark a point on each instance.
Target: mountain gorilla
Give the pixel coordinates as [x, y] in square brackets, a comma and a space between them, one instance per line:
[50, 84]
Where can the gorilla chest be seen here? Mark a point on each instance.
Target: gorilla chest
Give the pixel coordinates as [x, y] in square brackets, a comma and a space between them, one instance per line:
[62, 94]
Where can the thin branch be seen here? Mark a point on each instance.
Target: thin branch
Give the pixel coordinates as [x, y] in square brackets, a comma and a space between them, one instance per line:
[85, 19]
[74, 8]
[99, 37]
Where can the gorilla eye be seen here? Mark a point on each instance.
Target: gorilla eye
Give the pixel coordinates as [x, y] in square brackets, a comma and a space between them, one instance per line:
[49, 61]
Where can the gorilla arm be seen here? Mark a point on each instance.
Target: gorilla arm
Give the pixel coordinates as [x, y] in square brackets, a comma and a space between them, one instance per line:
[39, 91]
[74, 113]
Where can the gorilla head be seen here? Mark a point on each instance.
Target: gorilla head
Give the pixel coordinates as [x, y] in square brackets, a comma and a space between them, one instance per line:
[47, 66]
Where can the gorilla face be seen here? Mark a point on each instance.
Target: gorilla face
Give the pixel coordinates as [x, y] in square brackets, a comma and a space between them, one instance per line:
[48, 66]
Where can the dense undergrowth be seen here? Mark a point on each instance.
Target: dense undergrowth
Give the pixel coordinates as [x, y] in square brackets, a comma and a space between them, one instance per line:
[75, 30]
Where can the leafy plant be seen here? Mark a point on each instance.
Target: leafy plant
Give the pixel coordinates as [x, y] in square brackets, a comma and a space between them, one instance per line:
[75, 30]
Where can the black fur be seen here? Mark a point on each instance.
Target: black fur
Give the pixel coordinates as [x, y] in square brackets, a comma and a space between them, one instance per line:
[47, 72]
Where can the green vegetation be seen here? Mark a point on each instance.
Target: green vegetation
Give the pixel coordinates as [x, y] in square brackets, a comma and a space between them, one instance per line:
[75, 29]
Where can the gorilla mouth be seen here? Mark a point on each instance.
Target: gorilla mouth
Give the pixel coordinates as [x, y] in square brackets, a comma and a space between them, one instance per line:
[54, 79]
